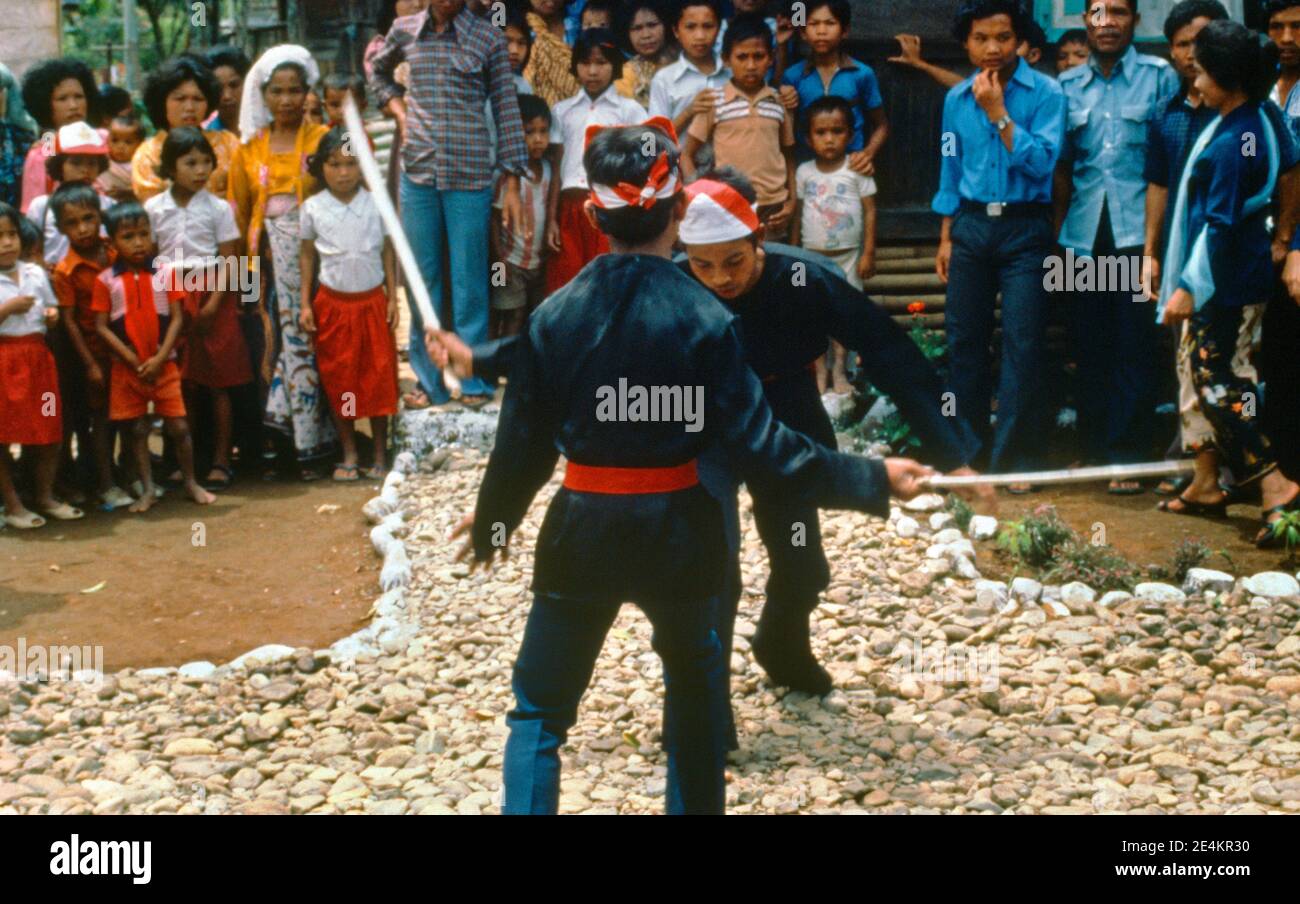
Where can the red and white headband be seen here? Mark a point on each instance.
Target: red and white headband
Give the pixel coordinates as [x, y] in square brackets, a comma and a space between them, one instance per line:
[716, 212]
[661, 182]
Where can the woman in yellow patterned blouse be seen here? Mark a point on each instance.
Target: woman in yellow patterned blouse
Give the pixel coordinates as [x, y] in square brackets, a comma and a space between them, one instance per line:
[642, 29]
[182, 93]
[268, 183]
[548, 64]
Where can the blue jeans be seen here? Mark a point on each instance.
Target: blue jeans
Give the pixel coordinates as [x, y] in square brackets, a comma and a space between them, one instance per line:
[556, 658]
[992, 255]
[432, 216]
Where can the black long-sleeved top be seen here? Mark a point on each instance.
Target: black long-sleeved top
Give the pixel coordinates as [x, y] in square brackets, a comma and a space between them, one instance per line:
[640, 318]
[799, 300]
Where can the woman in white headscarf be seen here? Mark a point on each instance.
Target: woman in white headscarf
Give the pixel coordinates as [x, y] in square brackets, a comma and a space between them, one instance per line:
[268, 183]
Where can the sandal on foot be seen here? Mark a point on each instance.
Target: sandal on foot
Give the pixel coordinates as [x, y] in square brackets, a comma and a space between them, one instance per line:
[29, 521]
[1270, 537]
[475, 402]
[221, 483]
[1194, 509]
[416, 400]
[1021, 489]
[1172, 486]
[1124, 488]
[64, 512]
[345, 474]
[376, 473]
[114, 498]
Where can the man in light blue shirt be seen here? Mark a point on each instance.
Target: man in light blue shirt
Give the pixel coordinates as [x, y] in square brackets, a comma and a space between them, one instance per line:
[1101, 195]
[1001, 139]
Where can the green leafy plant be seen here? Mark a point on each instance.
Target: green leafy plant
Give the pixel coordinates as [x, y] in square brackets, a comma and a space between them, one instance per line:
[1035, 538]
[1100, 567]
[1188, 554]
[1288, 528]
[960, 511]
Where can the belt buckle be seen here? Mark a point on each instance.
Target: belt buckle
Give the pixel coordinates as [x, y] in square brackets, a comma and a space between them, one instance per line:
[994, 208]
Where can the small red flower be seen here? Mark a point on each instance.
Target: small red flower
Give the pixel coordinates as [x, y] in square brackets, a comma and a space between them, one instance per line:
[916, 307]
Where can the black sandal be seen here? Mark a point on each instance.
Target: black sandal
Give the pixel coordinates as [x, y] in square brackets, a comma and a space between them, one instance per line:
[221, 483]
[1195, 509]
[1172, 486]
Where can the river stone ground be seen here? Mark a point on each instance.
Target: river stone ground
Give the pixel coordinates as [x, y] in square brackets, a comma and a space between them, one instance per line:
[943, 704]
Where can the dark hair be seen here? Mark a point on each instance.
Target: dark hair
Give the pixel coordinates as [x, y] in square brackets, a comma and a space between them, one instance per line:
[608, 6]
[180, 142]
[41, 80]
[114, 100]
[840, 9]
[74, 194]
[130, 120]
[1185, 11]
[730, 176]
[532, 107]
[54, 164]
[1035, 35]
[517, 19]
[8, 212]
[619, 155]
[829, 103]
[333, 140]
[601, 39]
[1072, 36]
[1237, 58]
[30, 236]
[972, 10]
[343, 81]
[746, 27]
[123, 214]
[1273, 7]
[228, 55]
[687, 4]
[627, 13]
[170, 76]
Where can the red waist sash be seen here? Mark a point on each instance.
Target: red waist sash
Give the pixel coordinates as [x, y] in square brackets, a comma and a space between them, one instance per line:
[591, 479]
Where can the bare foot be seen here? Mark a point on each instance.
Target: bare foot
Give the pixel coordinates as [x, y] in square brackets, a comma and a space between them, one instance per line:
[198, 494]
[144, 503]
[841, 384]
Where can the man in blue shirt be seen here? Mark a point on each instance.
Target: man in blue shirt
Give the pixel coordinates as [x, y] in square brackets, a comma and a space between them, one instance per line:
[1002, 134]
[1101, 199]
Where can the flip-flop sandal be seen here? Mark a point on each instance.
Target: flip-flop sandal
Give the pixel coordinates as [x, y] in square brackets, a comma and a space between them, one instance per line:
[1121, 490]
[376, 473]
[64, 512]
[1021, 490]
[114, 498]
[1270, 537]
[1171, 486]
[350, 473]
[221, 483]
[416, 400]
[475, 402]
[1194, 509]
[30, 521]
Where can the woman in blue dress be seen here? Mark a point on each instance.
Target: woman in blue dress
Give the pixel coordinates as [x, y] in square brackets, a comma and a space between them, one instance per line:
[1219, 274]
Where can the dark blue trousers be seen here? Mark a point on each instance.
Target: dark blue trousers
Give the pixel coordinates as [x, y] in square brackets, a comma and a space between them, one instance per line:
[1116, 347]
[992, 255]
[562, 639]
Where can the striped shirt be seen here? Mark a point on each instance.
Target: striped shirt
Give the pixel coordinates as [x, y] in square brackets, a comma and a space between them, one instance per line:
[751, 134]
[456, 76]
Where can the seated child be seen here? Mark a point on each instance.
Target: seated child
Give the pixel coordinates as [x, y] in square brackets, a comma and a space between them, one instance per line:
[140, 327]
[197, 234]
[352, 317]
[518, 278]
[31, 410]
[125, 134]
[80, 155]
[75, 209]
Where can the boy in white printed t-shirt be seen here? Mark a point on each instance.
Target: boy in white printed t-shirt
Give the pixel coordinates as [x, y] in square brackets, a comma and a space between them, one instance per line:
[519, 283]
[837, 211]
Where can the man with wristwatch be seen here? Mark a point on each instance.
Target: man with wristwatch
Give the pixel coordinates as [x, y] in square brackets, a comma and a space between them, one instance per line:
[1002, 133]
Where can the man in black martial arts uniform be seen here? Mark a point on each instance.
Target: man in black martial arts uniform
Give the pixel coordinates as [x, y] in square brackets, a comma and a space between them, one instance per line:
[788, 301]
[632, 522]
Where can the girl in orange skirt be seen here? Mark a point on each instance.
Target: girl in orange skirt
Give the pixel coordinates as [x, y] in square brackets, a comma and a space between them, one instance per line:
[199, 241]
[352, 316]
[31, 411]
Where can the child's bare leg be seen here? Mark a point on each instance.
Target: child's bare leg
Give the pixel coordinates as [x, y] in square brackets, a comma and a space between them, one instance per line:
[179, 430]
[223, 419]
[379, 430]
[347, 429]
[8, 492]
[513, 321]
[47, 469]
[839, 371]
[143, 467]
[823, 379]
[101, 440]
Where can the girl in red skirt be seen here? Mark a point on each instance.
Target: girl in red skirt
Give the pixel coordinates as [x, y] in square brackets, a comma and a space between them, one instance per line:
[31, 411]
[198, 242]
[352, 317]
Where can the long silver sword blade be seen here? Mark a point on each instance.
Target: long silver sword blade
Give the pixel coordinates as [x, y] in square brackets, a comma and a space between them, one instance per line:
[1065, 475]
[388, 213]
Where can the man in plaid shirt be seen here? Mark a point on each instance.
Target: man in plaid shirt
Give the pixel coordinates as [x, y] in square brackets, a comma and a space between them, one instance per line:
[458, 63]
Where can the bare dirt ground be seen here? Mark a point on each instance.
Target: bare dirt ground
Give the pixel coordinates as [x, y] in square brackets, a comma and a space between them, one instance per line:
[273, 570]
